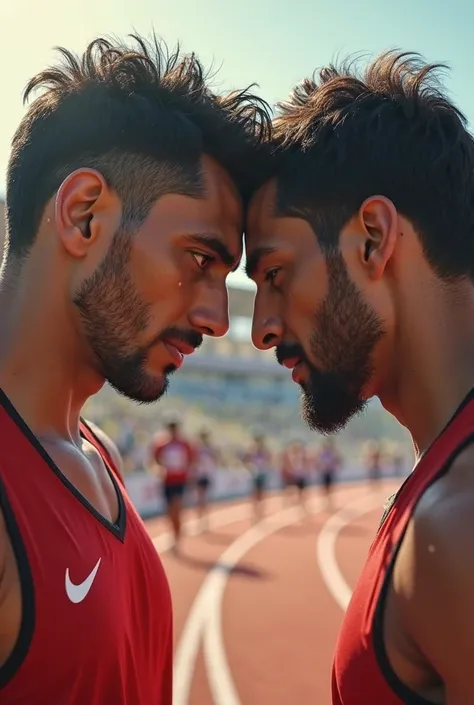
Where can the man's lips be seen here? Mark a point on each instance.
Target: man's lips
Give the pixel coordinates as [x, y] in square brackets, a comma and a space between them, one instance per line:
[177, 350]
[295, 364]
[291, 362]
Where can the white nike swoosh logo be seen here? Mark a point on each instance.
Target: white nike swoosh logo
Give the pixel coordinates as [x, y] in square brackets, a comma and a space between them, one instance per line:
[77, 593]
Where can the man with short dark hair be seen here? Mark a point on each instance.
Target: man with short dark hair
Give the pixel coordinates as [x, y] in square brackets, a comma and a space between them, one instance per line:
[125, 195]
[172, 459]
[361, 244]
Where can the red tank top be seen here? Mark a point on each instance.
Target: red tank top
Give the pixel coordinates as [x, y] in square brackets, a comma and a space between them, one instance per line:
[176, 457]
[362, 674]
[97, 624]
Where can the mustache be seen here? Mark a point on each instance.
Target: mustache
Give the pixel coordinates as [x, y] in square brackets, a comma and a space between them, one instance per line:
[286, 351]
[191, 337]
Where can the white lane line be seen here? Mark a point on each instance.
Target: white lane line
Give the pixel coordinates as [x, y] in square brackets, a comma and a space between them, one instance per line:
[203, 611]
[326, 545]
[219, 675]
[228, 515]
[204, 618]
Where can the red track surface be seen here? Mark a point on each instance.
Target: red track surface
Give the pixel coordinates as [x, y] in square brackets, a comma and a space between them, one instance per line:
[280, 613]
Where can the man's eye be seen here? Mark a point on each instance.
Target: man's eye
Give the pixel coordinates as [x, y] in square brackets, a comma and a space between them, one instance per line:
[271, 274]
[202, 260]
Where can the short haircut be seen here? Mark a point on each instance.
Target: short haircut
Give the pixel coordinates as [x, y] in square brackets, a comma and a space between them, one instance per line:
[140, 115]
[345, 135]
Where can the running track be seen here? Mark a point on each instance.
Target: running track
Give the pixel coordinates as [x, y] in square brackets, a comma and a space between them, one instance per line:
[257, 607]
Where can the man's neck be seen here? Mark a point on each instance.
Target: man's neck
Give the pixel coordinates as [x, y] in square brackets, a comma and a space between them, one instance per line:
[41, 370]
[436, 368]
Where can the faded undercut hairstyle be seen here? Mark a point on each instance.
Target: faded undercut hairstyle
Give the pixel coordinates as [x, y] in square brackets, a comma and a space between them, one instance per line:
[389, 129]
[141, 116]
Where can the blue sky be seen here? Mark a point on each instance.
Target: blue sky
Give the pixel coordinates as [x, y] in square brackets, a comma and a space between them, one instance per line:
[274, 43]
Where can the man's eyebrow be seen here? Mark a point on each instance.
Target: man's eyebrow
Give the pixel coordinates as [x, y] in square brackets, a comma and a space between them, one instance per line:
[214, 243]
[254, 258]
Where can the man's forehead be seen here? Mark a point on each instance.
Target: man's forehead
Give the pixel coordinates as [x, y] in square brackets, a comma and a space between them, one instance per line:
[272, 230]
[270, 222]
[222, 212]
[221, 191]
[261, 210]
[263, 201]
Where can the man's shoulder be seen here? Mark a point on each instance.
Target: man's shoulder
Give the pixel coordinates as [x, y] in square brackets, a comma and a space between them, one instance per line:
[438, 541]
[448, 502]
[434, 576]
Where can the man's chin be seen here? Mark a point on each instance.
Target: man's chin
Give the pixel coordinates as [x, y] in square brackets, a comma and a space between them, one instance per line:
[143, 390]
[329, 418]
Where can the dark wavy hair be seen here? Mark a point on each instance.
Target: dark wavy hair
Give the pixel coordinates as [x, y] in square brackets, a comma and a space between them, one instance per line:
[390, 129]
[140, 115]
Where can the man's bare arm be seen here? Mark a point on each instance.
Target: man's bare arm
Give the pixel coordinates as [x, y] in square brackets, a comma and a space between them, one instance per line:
[10, 595]
[434, 581]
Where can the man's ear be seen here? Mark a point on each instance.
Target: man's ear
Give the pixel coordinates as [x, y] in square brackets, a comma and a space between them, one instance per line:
[379, 221]
[81, 197]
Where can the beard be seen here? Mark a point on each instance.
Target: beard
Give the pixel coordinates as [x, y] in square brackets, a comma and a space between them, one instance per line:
[345, 334]
[114, 317]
